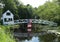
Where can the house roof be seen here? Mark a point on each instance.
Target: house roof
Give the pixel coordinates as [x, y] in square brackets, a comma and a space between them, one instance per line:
[8, 11]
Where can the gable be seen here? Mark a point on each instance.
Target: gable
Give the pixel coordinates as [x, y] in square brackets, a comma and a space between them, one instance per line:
[7, 13]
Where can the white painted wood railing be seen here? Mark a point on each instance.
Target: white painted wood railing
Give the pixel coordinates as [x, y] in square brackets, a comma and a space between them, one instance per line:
[38, 21]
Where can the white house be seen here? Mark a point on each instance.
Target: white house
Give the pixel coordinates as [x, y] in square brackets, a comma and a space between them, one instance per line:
[8, 18]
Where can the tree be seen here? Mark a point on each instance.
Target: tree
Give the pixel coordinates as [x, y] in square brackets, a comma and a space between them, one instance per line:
[10, 5]
[57, 1]
[0, 12]
[18, 2]
[25, 12]
[49, 11]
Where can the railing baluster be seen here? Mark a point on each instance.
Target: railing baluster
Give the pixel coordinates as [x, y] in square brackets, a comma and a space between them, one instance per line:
[39, 21]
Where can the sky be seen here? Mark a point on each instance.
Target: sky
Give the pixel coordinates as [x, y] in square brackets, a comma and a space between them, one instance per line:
[34, 3]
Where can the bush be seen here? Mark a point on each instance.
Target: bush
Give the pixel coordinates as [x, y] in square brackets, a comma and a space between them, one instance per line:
[5, 36]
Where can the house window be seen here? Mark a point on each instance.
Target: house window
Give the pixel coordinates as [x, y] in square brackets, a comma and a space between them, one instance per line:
[8, 14]
[5, 19]
[10, 19]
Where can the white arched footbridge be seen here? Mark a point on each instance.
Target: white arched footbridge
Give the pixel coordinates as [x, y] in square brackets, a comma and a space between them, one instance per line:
[38, 21]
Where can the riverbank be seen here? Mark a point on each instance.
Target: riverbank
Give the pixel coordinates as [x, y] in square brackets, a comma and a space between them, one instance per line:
[5, 34]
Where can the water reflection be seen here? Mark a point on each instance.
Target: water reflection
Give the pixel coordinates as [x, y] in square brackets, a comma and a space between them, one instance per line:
[41, 38]
[48, 38]
[33, 39]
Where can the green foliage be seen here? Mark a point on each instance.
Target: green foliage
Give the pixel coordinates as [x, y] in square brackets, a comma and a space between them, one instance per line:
[25, 11]
[5, 36]
[10, 5]
[49, 11]
[0, 12]
[47, 37]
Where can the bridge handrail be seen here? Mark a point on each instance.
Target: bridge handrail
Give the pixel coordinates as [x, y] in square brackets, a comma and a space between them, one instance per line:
[36, 21]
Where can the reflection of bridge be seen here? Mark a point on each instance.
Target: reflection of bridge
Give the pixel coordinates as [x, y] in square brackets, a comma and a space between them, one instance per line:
[37, 34]
[28, 34]
[45, 22]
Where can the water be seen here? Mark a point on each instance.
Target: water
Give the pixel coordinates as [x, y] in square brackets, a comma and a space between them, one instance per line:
[34, 39]
[48, 37]
[41, 38]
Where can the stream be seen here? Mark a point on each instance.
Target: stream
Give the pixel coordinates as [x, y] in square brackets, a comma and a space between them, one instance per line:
[48, 37]
[33, 39]
[40, 38]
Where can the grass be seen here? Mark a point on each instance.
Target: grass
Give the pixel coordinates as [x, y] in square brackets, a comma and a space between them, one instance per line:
[5, 35]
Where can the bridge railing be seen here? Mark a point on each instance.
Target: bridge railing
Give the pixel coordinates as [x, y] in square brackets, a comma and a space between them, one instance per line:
[39, 21]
